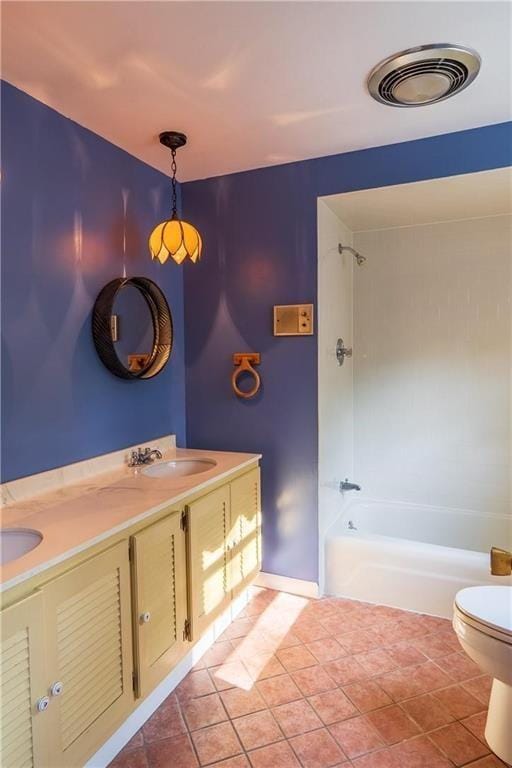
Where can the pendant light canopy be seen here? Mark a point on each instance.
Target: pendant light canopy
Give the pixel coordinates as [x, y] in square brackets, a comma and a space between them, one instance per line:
[174, 238]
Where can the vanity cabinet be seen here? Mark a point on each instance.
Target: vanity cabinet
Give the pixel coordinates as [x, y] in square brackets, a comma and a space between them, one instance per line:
[224, 547]
[159, 580]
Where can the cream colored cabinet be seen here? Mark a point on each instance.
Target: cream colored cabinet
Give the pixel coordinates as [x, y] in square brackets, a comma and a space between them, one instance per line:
[159, 573]
[245, 536]
[24, 696]
[224, 546]
[87, 620]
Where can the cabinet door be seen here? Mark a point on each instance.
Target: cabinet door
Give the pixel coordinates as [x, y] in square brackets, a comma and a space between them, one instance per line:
[160, 600]
[89, 651]
[245, 536]
[24, 729]
[208, 520]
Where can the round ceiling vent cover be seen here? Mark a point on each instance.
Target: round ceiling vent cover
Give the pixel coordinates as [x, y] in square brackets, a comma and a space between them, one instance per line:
[423, 75]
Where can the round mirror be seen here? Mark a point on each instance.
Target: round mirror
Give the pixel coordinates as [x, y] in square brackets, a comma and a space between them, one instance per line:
[132, 328]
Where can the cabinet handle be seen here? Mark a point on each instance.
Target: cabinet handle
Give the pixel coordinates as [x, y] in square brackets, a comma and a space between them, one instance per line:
[42, 704]
[57, 688]
[145, 617]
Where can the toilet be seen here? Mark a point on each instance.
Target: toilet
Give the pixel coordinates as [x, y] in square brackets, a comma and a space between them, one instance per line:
[482, 620]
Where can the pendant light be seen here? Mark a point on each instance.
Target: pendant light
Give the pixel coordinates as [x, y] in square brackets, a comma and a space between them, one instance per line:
[175, 238]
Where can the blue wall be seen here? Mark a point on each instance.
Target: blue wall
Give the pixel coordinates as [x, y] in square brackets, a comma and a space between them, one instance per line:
[63, 226]
[260, 230]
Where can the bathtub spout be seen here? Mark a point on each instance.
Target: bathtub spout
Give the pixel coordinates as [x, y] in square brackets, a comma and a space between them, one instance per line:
[346, 486]
[501, 562]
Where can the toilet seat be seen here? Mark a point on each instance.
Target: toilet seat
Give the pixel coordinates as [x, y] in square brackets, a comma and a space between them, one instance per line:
[487, 609]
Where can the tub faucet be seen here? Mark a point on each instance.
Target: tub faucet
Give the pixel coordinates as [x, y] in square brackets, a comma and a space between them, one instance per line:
[346, 486]
[501, 562]
[144, 456]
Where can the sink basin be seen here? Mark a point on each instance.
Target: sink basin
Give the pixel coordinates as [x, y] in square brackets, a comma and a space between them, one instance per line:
[179, 467]
[15, 542]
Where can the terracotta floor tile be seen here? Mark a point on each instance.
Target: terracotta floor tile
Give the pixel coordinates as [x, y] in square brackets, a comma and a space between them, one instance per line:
[491, 761]
[476, 724]
[238, 628]
[137, 740]
[360, 641]
[317, 749]
[278, 690]
[367, 695]
[176, 752]
[419, 753]
[288, 640]
[296, 658]
[254, 643]
[433, 646]
[239, 702]
[257, 730]
[429, 677]
[131, 758]
[195, 684]
[458, 666]
[232, 674]
[332, 706]
[399, 684]
[326, 650]
[207, 710]
[217, 654]
[296, 718]
[263, 665]
[459, 702]
[393, 724]
[376, 662]
[313, 680]
[427, 711]
[278, 755]
[356, 736]
[405, 654]
[165, 722]
[458, 744]
[345, 671]
[479, 687]
[308, 631]
[338, 624]
[240, 761]
[383, 758]
[216, 743]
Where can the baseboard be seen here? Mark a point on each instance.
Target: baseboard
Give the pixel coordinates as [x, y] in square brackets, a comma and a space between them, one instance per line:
[286, 584]
[138, 717]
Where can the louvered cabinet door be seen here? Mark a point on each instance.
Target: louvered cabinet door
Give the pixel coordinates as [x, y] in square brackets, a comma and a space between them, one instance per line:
[160, 600]
[24, 729]
[208, 521]
[89, 651]
[245, 536]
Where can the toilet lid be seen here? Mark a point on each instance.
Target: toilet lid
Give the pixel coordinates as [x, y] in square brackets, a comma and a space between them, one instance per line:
[491, 606]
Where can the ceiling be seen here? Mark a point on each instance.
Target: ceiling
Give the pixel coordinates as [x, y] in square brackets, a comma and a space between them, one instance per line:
[468, 196]
[251, 83]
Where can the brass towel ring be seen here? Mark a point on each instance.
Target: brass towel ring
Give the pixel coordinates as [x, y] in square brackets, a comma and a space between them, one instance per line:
[244, 362]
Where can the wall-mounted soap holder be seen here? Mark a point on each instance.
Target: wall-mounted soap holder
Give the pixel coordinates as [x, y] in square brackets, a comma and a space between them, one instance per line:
[244, 362]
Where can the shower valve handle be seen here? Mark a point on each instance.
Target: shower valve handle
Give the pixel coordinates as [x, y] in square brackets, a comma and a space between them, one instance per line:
[342, 351]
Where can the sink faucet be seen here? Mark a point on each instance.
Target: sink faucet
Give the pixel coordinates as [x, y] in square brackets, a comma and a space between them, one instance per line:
[144, 456]
[346, 486]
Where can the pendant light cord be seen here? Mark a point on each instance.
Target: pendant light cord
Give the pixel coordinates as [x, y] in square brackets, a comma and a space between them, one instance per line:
[173, 181]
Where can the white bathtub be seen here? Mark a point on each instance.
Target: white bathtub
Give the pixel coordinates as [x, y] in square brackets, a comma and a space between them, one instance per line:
[411, 556]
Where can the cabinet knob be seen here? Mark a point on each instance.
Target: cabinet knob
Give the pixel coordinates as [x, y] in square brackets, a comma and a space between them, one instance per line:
[57, 688]
[145, 617]
[42, 704]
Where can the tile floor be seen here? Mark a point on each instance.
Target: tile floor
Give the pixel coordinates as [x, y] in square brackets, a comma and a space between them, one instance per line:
[318, 684]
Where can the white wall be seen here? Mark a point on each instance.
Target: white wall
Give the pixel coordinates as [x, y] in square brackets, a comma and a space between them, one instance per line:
[432, 365]
[335, 383]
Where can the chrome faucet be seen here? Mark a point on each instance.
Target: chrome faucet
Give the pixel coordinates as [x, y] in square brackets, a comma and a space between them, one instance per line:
[346, 486]
[143, 456]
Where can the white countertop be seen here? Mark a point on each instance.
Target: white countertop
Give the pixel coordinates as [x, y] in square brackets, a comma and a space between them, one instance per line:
[76, 517]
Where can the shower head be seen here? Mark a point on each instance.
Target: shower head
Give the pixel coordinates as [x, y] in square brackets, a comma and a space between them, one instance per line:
[357, 256]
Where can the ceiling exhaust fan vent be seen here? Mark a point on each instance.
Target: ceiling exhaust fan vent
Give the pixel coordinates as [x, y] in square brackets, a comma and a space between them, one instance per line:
[423, 75]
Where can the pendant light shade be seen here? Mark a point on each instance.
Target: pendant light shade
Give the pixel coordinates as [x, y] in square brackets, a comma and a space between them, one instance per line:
[175, 238]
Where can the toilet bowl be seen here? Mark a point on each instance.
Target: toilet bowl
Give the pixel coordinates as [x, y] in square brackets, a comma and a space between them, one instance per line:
[482, 620]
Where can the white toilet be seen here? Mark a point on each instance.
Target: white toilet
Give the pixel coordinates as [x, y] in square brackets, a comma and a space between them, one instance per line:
[482, 619]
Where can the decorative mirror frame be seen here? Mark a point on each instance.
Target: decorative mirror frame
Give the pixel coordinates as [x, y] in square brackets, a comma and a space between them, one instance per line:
[162, 327]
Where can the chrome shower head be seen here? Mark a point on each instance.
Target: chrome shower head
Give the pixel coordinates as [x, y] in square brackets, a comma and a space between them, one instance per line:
[357, 256]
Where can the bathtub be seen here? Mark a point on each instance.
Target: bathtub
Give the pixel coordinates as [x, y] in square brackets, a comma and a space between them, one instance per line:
[409, 555]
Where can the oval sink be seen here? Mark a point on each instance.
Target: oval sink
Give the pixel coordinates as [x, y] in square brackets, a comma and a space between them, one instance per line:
[15, 542]
[179, 467]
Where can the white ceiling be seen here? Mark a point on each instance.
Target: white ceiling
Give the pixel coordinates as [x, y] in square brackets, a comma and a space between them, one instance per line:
[468, 196]
[251, 83]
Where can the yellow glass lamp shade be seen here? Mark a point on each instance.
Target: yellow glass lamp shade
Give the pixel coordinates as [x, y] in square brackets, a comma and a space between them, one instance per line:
[176, 239]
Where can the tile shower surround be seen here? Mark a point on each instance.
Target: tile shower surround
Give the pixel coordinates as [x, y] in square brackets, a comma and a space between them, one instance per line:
[319, 684]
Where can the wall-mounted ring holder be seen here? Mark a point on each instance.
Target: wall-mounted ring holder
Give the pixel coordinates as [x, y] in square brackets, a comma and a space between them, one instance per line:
[244, 362]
